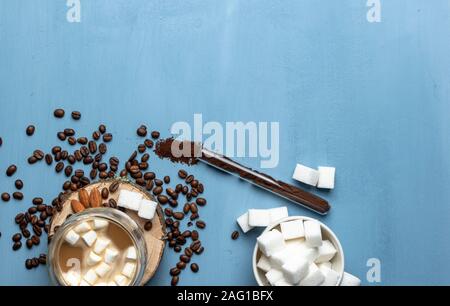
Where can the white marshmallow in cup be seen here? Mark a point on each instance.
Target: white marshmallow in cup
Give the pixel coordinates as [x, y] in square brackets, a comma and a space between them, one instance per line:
[292, 229]
[326, 252]
[313, 233]
[270, 242]
[295, 269]
[315, 277]
[72, 237]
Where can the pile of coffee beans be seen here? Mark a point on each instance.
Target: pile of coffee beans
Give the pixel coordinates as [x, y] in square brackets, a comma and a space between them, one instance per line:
[85, 163]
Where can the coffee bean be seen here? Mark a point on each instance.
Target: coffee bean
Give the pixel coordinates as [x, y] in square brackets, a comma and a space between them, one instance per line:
[107, 137]
[175, 272]
[30, 130]
[189, 179]
[76, 115]
[102, 129]
[17, 245]
[26, 233]
[201, 202]
[61, 136]
[11, 170]
[16, 237]
[194, 267]
[185, 259]
[18, 184]
[29, 243]
[48, 159]
[148, 226]
[167, 179]
[88, 160]
[200, 188]
[59, 113]
[35, 262]
[174, 281]
[28, 264]
[158, 182]
[38, 201]
[194, 216]
[92, 147]
[68, 171]
[32, 210]
[18, 196]
[142, 131]
[200, 224]
[72, 141]
[82, 140]
[102, 148]
[235, 235]
[168, 212]
[155, 134]
[36, 240]
[6, 197]
[186, 208]
[148, 143]
[178, 215]
[195, 235]
[59, 167]
[199, 250]
[149, 176]
[184, 190]
[105, 193]
[157, 190]
[38, 154]
[182, 174]
[114, 186]
[188, 252]
[19, 218]
[181, 265]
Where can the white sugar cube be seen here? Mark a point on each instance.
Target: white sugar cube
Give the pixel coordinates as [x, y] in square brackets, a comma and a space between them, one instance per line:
[131, 253]
[100, 223]
[147, 209]
[274, 275]
[101, 244]
[102, 269]
[264, 264]
[89, 238]
[93, 259]
[129, 199]
[258, 217]
[72, 237]
[349, 280]
[121, 280]
[292, 229]
[282, 283]
[331, 276]
[91, 277]
[128, 269]
[326, 252]
[326, 177]
[315, 277]
[84, 283]
[243, 223]
[309, 254]
[283, 256]
[278, 213]
[306, 175]
[279, 258]
[328, 265]
[313, 233]
[111, 255]
[82, 227]
[270, 242]
[72, 278]
[101, 284]
[295, 270]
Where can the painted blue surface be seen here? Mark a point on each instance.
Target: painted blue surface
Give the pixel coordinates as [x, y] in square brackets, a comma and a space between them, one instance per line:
[371, 99]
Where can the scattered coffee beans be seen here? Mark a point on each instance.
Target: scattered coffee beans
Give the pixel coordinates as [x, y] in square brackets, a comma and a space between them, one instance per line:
[59, 113]
[30, 130]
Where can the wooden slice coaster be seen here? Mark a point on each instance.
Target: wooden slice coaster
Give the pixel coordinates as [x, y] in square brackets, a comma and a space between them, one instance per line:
[153, 238]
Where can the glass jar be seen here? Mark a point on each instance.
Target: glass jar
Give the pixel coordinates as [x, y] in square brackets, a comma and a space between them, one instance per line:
[111, 215]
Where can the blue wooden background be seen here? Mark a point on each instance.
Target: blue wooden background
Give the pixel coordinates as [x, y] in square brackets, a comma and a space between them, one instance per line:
[371, 99]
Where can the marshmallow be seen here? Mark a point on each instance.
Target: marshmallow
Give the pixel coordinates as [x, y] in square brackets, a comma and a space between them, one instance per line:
[282, 283]
[326, 177]
[131, 253]
[89, 238]
[328, 265]
[82, 227]
[129, 199]
[292, 229]
[326, 252]
[102, 269]
[331, 276]
[313, 233]
[101, 244]
[280, 257]
[111, 255]
[309, 254]
[295, 270]
[147, 209]
[90, 277]
[258, 217]
[278, 213]
[84, 283]
[270, 242]
[243, 223]
[306, 175]
[121, 280]
[274, 275]
[100, 223]
[93, 259]
[72, 237]
[264, 263]
[101, 284]
[128, 269]
[72, 278]
[314, 278]
[349, 280]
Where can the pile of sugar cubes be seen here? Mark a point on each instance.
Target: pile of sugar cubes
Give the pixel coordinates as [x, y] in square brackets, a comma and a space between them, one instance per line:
[261, 217]
[102, 258]
[321, 178]
[135, 201]
[296, 255]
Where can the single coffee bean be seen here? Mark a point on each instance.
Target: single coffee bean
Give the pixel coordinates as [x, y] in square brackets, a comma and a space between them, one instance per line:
[112, 203]
[200, 188]
[114, 186]
[157, 190]
[189, 179]
[59, 113]
[194, 208]
[182, 174]
[17, 245]
[35, 262]
[199, 250]
[148, 226]
[174, 281]
[36, 240]
[32, 210]
[102, 167]
[168, 212]
[43, 259]
[30, 130]
[178, 215]
[107, 137]
[11, 170]
[185, 259]
[162, 199]
[188, 252]
[105, 193]
[235, 235]
[18, 184]
[18, 196]
[167, 179]
[155, 134]
[29, 243]
[142, 131]
[148, 143]
[195, 235]
[76, 115]
[194, 267]
[19, 218]
[178, 188]
[181, 265]
[72, 141]
[194, 216]
[102, 129]
[61, 136]
[186, 234]
[96, 135]
[48, 159]
[201, 201]
[28, 264]
[16, 237]
[38, 201]
[186, 208]
[200, 224]
[68, 171]
[102, 148]
[32, 160]
[26, 233]
[88, 160]
[175, 272]
[82, 140]
[59, 167]
[69, 132]
[6, 197]
[149, 176]
[92, 147]
[184, 190]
